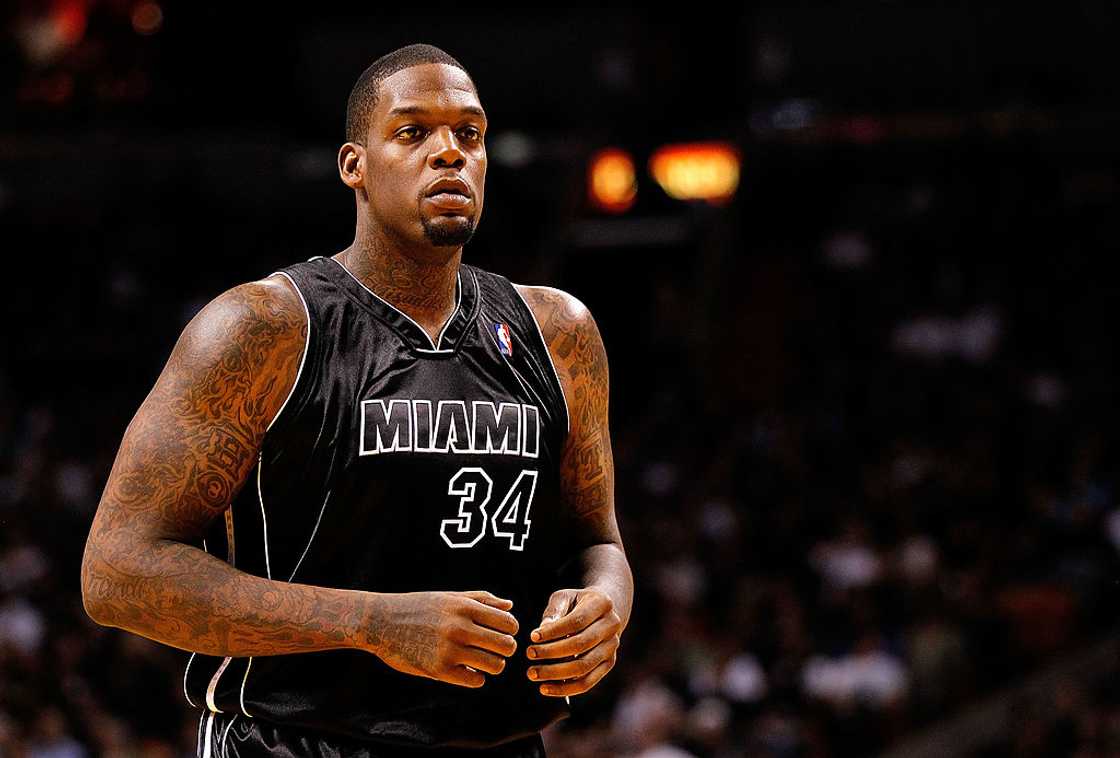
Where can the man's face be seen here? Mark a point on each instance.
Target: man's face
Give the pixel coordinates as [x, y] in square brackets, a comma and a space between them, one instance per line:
[428, 127]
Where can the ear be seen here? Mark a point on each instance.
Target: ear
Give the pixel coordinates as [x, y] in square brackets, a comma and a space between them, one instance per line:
[351, 164]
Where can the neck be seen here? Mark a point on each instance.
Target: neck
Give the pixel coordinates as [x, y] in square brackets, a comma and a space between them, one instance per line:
[424, 290]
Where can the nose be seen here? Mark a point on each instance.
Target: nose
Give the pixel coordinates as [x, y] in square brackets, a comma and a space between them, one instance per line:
[445, 150]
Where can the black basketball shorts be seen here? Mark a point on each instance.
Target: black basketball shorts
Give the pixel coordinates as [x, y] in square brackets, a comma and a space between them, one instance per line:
[232, 735]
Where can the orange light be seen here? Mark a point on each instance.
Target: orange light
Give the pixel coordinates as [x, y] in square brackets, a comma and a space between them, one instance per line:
[147, 18]
[697, 171]
[612, 181]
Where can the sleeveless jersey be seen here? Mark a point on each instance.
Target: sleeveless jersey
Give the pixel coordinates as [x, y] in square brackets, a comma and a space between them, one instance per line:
[399, 464]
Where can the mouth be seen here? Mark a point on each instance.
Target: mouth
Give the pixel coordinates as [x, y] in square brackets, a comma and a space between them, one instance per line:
[450, 192]
[449, 198]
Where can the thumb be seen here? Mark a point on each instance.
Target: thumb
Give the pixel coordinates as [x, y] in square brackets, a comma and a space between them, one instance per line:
[558, 605]
[490, 599]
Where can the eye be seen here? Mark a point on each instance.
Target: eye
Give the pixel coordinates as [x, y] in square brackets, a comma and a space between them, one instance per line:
[409, 132]
[471, 133]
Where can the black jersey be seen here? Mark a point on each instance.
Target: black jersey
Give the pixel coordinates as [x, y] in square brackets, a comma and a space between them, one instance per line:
[399, 464]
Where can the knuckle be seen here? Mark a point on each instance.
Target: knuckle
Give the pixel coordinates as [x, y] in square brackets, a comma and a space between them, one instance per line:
[447, 653]
[453, 629]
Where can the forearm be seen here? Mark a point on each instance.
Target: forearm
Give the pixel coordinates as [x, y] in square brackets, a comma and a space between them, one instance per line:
[605, 566]
[181, 596]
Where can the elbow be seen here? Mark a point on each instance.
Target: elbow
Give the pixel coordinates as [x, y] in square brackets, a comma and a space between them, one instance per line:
[90, 600]
[92, 610]
[94, 587]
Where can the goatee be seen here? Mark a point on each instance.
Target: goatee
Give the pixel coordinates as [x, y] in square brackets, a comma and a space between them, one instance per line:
[453, 232]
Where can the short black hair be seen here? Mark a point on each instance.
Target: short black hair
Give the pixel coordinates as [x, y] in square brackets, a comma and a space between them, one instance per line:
[364, 95]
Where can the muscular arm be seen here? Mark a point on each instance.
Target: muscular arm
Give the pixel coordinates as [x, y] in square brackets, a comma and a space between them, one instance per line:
[184, 457]
[587, 465]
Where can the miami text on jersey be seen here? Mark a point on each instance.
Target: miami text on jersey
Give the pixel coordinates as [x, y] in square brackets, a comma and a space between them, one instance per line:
[407, 425]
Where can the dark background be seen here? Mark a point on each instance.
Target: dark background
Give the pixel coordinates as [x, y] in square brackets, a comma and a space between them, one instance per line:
[862, 415]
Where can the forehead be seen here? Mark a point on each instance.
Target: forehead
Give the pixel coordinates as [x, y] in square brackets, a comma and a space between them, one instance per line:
[432, 86]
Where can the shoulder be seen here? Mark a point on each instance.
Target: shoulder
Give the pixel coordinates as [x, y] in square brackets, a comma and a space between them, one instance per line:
[568, 328]
[241, 354]
[265, 312]
[555, 308]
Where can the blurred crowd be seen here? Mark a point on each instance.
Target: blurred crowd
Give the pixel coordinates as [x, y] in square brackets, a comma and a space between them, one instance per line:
[873, 483]
[1071, 720]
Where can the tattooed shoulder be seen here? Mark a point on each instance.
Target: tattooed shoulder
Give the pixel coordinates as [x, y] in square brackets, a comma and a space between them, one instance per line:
[242, 350]
[571, 333]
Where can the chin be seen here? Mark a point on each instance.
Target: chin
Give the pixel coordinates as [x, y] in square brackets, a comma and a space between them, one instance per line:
[449, 231]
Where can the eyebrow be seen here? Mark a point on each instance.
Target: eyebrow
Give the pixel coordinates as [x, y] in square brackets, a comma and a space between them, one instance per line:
[409, 110]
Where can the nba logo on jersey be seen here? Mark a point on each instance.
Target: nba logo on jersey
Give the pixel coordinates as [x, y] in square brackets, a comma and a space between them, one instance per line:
[505, 341]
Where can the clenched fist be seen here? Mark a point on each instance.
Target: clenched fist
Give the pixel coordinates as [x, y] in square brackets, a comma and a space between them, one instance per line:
[454, 637]
[578, 641]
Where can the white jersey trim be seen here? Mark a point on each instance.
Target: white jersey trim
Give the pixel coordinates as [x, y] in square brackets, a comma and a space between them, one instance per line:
[306, 345]
[213, 687]
[267, 569]
[190, 660]
[244, 679]
[567, 410]
[310, 539]
[207, 742]
[454, 313]
[264, 518]
[186, 694]
[225, 734]
[428, 337]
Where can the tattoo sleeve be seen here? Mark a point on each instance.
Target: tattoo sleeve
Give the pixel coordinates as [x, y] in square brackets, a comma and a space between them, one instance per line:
[184, 456]
[587, 465]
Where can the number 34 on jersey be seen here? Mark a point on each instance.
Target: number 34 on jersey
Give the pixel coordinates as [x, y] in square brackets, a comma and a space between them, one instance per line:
[510, 521]
[409, 425]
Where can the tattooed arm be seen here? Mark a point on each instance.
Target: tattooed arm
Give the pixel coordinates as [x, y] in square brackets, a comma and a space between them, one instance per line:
[594, 615]
[184, 456]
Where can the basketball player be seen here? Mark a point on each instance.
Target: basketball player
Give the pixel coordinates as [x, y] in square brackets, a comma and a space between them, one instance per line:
[373, 492]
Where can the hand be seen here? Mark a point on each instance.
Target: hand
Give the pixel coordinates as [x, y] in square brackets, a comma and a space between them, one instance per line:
[446, 635]
[586, 631]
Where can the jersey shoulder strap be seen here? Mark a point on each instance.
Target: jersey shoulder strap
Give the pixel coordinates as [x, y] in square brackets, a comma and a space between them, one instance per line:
[503, 304]
[310, 282]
